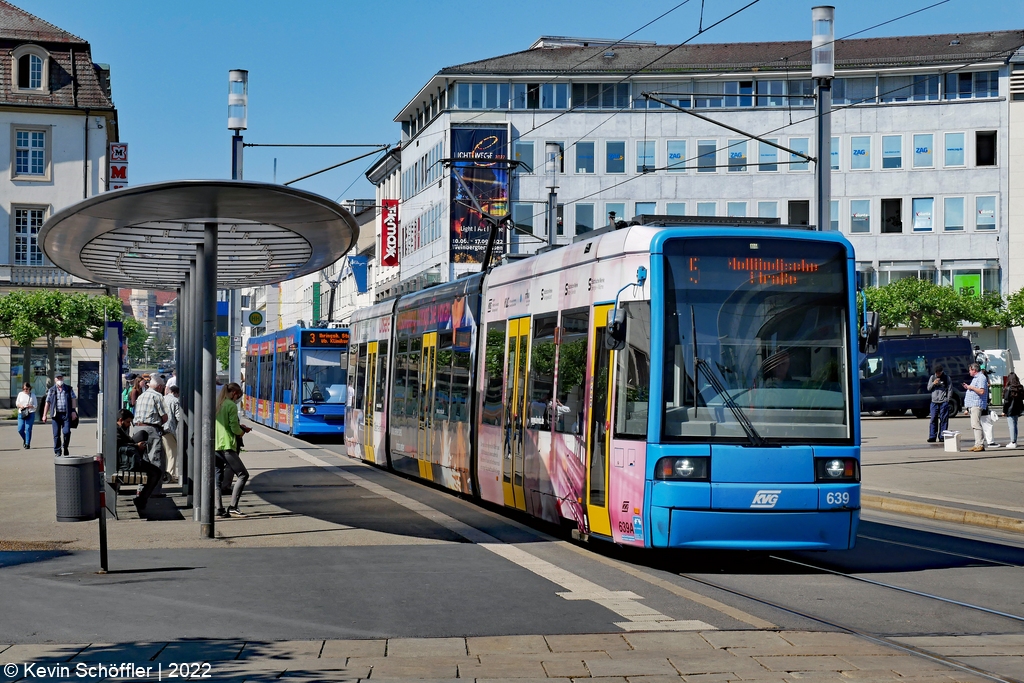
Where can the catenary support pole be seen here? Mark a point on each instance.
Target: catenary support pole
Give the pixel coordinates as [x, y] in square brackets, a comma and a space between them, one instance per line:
[208, 286]
[234, 296]
[823, 166]
[183, 397]
[197, 386]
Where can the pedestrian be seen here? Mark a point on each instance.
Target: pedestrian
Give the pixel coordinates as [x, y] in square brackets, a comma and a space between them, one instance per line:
[61, 402]
[1013, 405]
[26, 405]
[228, 429]
[976, 402]
[150, 417]
[138, 387]
[170, 435]
[172, 381]
[939, 385]
[137, 443]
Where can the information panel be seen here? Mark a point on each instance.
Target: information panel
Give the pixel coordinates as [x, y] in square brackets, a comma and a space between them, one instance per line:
[324, 338]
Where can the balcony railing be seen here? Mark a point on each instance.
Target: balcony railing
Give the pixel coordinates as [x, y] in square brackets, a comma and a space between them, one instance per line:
[39, 276]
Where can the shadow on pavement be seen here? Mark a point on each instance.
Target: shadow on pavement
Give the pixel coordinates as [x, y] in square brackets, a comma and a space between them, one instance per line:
[11, 558]
[307, 491]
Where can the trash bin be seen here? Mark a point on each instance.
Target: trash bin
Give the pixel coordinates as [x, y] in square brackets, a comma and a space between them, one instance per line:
[76, 481]
[995, 394]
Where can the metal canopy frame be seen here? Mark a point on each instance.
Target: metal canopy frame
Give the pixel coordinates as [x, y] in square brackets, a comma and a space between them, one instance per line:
[195, 236]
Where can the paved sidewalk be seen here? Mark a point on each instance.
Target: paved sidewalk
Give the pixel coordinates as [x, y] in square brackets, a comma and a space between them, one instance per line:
[608, 658]
[902, 473]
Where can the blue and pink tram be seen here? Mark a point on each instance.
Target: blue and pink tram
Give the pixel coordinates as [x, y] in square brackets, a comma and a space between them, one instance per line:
[655, 386]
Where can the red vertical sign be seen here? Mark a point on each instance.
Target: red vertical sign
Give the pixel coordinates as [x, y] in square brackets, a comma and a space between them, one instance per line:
[389, 232]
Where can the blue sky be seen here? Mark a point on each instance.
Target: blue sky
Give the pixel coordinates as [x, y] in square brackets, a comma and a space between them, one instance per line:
[339, 71]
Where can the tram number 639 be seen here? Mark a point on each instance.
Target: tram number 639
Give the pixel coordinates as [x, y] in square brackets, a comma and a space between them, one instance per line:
[837, 498]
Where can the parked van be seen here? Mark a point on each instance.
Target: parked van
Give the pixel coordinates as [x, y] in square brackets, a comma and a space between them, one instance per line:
[895, 377]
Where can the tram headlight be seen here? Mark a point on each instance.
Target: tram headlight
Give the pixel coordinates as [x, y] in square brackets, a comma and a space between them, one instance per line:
[836, 469]
[684, 468]
[308, 410]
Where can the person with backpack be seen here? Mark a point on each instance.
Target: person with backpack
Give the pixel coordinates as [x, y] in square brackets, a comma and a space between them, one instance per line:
[1013, 405]
[61, 404]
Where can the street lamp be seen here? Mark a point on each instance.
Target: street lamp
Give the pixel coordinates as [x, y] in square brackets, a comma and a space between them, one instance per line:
[238, 120]
[552, 160]
[823, 70]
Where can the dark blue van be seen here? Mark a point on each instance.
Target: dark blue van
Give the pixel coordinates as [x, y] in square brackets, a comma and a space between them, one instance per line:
[894, 379]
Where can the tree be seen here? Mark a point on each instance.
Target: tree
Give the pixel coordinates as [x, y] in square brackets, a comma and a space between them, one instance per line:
[17, 323]
[1015, 309]
[223, 351]
[919, 303]
[988, 310]
[135, 335]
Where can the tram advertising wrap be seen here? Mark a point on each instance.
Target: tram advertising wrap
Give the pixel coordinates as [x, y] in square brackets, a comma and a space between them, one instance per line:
[681, 386]
[296, 380]
[489, 182]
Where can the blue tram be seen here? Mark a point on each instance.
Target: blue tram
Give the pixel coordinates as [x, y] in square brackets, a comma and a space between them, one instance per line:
[296, 380]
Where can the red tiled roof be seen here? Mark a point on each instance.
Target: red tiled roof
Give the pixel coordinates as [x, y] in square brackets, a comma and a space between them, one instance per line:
[17, 24]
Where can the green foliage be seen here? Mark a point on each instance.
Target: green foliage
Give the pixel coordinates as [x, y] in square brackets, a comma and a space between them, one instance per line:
[988, 310]
[136, 335]
[918, 304]
[1015, 309]
[223, 351]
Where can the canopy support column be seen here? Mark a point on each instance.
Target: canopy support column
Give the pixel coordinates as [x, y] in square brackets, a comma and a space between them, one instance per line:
[208, 288]
[184, 397]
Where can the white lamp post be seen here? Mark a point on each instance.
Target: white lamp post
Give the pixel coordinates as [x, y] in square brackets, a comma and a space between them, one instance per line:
[823, 70]
[238, 120]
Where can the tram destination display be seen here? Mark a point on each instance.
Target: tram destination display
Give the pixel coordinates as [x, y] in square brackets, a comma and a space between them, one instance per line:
[312, 339]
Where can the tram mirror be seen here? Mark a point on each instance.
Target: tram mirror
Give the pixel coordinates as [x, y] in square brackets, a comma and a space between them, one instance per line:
[615, 332]
[869, 333]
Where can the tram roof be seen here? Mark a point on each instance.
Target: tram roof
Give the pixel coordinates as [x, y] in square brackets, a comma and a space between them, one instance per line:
[146, 236]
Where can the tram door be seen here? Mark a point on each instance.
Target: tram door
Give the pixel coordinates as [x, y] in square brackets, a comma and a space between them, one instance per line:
[600, 418]
[515, 412]
[428, 383]
[371, 384]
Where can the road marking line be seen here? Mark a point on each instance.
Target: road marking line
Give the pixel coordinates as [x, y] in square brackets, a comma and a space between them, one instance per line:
[639, 617]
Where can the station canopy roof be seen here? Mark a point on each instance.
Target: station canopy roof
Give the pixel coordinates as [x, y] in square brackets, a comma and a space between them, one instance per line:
[144, 237]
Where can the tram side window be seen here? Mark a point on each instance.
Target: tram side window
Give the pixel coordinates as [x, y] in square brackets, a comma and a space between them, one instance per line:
[382, 376]
[412, 382]
[283, 379]
[633, 373]
[572, 371]
[443, 376]
[360, 377]
[353, 364]
[250, 373]
[460, 386]
[266, 374]
[542, 372]
[494, 364]
[399, 390]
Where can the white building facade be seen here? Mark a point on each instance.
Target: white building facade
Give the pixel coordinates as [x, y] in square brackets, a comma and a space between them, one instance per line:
[56, 119]
[926, 161]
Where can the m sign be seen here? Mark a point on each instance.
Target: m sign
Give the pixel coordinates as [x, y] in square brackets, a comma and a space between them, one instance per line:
[389, 232]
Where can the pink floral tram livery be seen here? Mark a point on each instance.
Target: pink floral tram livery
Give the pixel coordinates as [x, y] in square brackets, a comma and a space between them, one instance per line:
[658, 385]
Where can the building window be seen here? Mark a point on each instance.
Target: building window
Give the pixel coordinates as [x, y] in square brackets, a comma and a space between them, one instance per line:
[645, 162]
[554, 96]
[31, 153]
[860, 153]
[860, 215]
[522, 151]
[706, 208]
[480, 96]
[675, 208]
[737, 156]
[616, 156]
[708, 94]
[892, 215]
[617, 208]
[584, 157]
[892, 151]
[799, 211]
[906, 88]
[967, 85]
[30, 65]
[853, 90]
[833, 217]
[923, 157]
[953, 214]
[767, 156]
[767, 209]
[584, 218]
[801, 93]
[986, 213]
[739, 93]
[954, 153]
[707, 152]
[27, 222]
[774, 90]
[522, 218]
[646, 209]
[526, 95]
[923, 208]
[891, 271]
[801, 145]
[833, 150]
[677, 156]
[971, 280]
[736, 209]
[600, 95]
[985, 148]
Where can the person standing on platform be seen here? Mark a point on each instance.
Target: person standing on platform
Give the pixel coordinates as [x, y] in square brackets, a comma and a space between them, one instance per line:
[26, 405]
[228, 431]
[939, 385]
[1013, 405]
[61, 404]
[976, 402]
[170, 435]
[150, 417]
[172, 381]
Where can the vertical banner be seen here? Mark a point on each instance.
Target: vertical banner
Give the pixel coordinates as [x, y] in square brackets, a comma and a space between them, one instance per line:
[389, 233]
[117, 165]
[359, 264]
[489, 183]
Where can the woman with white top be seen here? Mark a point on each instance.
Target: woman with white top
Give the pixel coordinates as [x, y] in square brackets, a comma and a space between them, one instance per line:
[26, 405]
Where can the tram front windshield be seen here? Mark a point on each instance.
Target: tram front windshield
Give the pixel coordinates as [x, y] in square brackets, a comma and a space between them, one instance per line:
[324, 374]
[765, 322]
